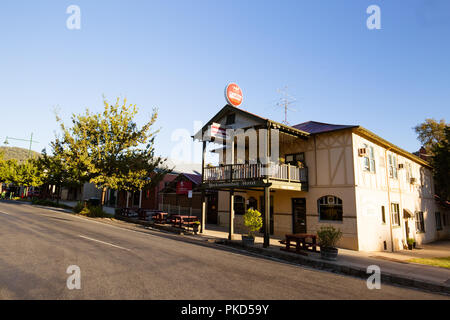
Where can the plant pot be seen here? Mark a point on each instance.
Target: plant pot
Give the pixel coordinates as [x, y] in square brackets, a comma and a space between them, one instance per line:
[410, 246]
[195, 228]
[328, 253]
[248, 241]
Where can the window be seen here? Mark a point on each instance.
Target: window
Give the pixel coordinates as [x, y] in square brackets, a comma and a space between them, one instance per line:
[408, 172]
[239, 205]
[231, 119]
[369, 159]
[330, 208]
[295, 159]
[393, 166]
[420, 223]
[438, 220]
[383, 214]
[395, 211]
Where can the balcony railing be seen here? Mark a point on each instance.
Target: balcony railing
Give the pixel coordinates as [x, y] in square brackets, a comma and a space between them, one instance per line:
[239, 172]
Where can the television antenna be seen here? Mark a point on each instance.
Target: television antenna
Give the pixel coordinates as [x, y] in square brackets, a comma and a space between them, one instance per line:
[284, 102]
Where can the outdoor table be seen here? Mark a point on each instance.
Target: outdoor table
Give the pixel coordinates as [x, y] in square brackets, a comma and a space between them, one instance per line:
[300, 242]
[180, 220]
[159, 216]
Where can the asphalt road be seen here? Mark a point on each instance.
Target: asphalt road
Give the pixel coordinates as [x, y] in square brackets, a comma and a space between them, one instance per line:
[37, 246]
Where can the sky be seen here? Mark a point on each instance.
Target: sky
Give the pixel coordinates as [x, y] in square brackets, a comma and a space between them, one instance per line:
[178, 56]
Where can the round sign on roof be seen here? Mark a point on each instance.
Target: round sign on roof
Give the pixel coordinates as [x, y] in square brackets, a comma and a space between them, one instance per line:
[233, 94]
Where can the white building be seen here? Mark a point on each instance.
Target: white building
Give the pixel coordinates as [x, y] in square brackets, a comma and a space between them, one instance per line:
[378, 194]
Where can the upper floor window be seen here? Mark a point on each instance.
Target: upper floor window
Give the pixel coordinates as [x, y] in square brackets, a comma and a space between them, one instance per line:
[395, 211]
[408, 172]
[330, 208]
[383, 215]
[369, 159]
[297, 159]
[393, 167]
[420, 222]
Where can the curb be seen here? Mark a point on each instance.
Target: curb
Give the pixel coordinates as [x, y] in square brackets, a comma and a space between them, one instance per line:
[386, 278]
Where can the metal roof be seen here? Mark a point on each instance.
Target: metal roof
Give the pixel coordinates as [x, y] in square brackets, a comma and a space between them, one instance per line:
[313, 127]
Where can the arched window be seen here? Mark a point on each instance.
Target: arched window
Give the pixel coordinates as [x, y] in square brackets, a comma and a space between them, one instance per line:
[330, 208]
[239, 205]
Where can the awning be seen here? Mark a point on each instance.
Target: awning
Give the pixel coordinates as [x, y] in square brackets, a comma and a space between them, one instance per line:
[407, 214]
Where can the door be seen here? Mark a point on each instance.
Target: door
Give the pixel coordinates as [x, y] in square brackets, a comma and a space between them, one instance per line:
[211, 208]
[298, 215]
[263, 210]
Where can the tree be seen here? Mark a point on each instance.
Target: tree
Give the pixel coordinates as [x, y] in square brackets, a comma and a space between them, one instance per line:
[109, 150]
[28, 174]
[55, 170]
[441, 165]
[430, 132]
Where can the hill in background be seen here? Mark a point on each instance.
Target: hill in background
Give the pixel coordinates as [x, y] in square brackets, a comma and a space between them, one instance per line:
[20, 154]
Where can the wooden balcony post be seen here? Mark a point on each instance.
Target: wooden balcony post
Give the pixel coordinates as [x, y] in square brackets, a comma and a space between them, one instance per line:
[266, 217]
[289, 172]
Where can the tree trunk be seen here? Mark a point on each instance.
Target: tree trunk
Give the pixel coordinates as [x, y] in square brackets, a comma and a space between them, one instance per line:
[58, 195]
[103, 196]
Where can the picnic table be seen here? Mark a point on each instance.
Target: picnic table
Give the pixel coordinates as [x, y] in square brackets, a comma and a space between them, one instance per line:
[302, 241]
[183, 220]
[159, 217]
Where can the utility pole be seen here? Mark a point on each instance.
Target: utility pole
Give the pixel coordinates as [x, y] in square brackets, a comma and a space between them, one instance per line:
[30, 141]
[285, 101]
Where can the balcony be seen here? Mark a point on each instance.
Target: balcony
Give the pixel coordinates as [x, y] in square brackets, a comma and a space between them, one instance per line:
[251, 174]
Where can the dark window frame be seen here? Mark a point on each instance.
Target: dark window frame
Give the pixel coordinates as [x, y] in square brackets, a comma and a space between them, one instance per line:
[329, 215]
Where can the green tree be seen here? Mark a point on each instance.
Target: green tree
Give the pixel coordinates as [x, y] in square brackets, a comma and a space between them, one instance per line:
[110, 150]
[253, 221]
[441, 165]
[430, 132]
[55, 169]
[28, 174]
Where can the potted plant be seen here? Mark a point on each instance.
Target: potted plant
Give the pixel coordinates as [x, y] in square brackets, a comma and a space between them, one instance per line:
[328, 238]
[253, 222]
[196, 226]
[410, 242]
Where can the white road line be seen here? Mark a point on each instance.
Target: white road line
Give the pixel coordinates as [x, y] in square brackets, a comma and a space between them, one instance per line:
[107, 243]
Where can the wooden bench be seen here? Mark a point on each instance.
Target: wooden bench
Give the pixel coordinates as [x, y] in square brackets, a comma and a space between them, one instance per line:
[300, 242]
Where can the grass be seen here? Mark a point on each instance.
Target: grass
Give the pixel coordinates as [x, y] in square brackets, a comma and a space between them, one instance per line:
[437, 262]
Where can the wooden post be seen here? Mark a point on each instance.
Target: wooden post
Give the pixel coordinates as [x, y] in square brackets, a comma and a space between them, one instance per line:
[231, 228]
[203, 217]
[266, 217]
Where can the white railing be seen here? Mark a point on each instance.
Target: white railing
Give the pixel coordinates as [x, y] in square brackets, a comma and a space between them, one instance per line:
[236, 172]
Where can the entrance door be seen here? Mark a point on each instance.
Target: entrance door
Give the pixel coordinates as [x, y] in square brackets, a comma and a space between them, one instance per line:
[299, 215]
[211, 209]
[263, 210]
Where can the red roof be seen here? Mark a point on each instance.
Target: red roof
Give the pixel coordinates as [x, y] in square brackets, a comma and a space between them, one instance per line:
[314, 127]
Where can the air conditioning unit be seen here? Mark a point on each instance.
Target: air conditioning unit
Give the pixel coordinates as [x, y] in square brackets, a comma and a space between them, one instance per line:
[362, 152]
[412, 180]
[401, 165]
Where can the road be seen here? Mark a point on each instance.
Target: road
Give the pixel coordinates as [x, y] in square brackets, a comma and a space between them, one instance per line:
[38, 245]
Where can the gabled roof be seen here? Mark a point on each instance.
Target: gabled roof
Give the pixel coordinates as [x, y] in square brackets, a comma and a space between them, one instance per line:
[195, 178]
[263, 121]
[314, 127]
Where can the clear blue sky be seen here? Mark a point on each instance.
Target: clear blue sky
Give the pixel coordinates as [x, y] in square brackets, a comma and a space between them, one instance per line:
[179, 55]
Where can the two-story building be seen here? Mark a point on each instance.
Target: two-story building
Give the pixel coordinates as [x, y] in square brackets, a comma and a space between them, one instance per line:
[316, 174]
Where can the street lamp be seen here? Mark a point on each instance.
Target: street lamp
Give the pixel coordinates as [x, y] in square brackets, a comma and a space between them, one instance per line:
[31, 141]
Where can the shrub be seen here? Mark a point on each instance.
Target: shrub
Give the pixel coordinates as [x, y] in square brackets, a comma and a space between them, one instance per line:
[93, 212]
[253, 221]
[78, 207]
[329, 236]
